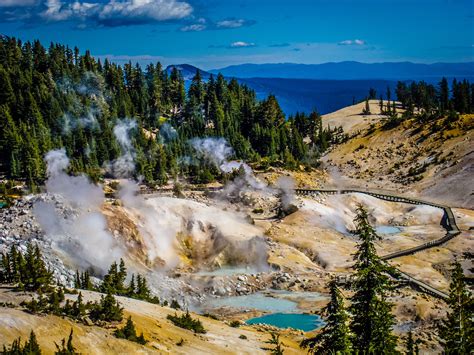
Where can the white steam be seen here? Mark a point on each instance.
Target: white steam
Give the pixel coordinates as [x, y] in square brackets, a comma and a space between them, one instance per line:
[286, 185]
[333, 214]
[124, 165]
[77, 115]
[218, 151]
[79, 230]
[216, 236]
[167, 133]
[158, 228]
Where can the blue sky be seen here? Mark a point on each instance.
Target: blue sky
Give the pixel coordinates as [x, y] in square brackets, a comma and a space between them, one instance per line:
[217, 33]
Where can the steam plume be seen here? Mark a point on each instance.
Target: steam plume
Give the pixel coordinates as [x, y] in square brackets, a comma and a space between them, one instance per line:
[81, 234]
[124, 166]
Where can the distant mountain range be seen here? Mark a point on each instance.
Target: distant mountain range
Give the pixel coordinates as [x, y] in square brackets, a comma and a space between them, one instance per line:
[331, 86]
[350, 71]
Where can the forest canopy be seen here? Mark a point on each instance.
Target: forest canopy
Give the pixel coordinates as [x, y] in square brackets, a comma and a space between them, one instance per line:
[57, 97]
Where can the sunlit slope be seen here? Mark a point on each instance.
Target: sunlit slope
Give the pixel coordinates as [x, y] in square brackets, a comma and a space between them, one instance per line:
[162, 335]
[432, 159]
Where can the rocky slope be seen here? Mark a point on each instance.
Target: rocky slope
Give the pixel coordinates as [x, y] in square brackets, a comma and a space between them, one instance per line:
[434, 159]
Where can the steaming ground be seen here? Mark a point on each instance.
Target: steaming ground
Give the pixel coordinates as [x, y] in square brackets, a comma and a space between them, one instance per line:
[249, 240]
[181, 243]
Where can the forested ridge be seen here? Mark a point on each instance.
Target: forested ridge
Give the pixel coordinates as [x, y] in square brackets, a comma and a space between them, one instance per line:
[57, 97]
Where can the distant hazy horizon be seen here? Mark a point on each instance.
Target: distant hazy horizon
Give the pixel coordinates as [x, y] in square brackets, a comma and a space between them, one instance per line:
[214, 33]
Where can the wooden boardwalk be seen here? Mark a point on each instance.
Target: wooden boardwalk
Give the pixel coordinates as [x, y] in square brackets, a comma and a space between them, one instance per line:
[448, 222]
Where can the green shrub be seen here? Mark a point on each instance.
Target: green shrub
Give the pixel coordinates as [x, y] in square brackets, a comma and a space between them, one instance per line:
[128, 332]
[235, 324]
[185, 321]
[108, 309]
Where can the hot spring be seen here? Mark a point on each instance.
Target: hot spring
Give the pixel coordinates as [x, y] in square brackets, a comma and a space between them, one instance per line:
[302, 321]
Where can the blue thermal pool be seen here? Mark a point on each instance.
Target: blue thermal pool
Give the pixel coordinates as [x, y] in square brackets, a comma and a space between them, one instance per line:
[301, 321]
[257, 301]
[387, 230]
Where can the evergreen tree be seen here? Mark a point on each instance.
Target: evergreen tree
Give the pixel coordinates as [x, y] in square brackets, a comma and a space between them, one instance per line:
[32, 346]
[275, 340]
[143, 292]
[366, 110]
[27, 272]
[372, 321]
[78, 308]
[120, 278]
[77, 280]
[131, 288]
[46, 93]
[108, 309]
[86, 282]
[128, 332]
[66, 348]
[411, 345]
[443, 95]
[334, 338]
[457, 331]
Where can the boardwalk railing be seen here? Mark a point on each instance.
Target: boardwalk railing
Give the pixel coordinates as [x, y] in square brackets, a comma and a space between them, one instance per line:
[448, 222]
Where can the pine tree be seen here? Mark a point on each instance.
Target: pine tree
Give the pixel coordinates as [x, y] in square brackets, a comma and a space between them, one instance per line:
[457, 331]
[128, 332]
[366, 110]
[108, 283]
[120, 278]
[77, 280]
[334, 338]
[86, 282]
[78, 308]
[32, 346]
[443, 95]
[275, 340]
[66, 348]
[131, 287]
[143, 292]
[372, 321]
[411, 344]
[27, 271]
[107, 309]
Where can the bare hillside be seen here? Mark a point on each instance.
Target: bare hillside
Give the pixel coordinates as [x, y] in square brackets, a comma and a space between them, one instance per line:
[432, 159]
[162, 335]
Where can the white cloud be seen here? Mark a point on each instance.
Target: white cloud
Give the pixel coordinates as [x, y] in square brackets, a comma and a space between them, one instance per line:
[158, 10]
[352, 42]
[241, 44]
[197, 27]
[16, 3]
[56, 10]
[232, 23]
[200, 25]
[117, 13]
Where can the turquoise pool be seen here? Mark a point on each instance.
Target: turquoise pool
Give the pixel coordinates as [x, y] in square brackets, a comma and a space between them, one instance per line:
[387, 230]
[304, 322]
